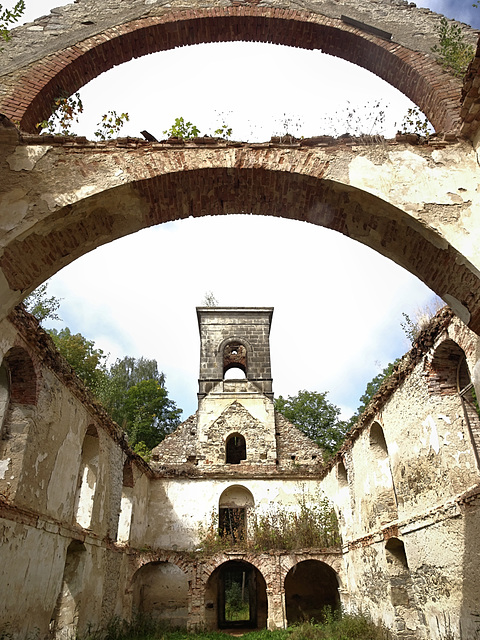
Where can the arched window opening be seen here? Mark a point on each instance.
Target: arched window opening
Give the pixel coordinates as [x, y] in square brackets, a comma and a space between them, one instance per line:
[311, 590]
[235, 449]
[23, 379]
[64, 622]
[383, 507]
[449, 374]
[126, 504]
[233, 507]
[160, 590]
[237, 590]
[87, 478]
[377, 440]
[342, 475]
[396, 556]
[234, 373]
[444, 369]
[235, 357]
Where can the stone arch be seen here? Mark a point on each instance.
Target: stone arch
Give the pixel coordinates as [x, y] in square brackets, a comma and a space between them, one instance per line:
[235, 357]
[161, 590]
[448, 369]
[91, 52]
[126, 503]
[4, 396]
[19, 392]
[342, 475]
[236, 596]
[396, 556]
[247, 186]
[310, 587]
[178, 559]
[227, 359]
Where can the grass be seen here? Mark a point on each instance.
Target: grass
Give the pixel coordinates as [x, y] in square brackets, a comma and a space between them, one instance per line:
[335, 627]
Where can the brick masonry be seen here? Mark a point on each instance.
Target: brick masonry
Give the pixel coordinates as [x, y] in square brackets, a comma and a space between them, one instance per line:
[103, 39]
[132, 185]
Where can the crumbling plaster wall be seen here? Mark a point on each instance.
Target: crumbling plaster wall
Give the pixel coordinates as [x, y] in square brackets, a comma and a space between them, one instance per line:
[429, 466]
[181, 510]
[37, 501]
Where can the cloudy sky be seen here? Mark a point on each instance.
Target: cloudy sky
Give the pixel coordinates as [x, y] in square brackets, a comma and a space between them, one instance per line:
[338, 305]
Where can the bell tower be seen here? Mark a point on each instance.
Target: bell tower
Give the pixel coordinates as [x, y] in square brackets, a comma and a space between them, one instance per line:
[234, 337]
[236, 416]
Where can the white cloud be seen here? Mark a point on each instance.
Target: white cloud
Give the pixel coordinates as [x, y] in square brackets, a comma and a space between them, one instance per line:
[337, 303]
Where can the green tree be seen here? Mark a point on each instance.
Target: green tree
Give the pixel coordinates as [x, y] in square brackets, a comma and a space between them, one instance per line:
[41, 306]
[316, 417]
[8, 17]
[134, 394]
[149, 413]
[87, 361]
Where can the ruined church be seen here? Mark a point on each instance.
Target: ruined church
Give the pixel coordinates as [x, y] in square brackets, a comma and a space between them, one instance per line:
[89, 530]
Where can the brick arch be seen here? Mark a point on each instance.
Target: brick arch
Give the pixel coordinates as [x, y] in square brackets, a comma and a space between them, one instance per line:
[263, 564]
[178, 559]
[74, 230]
[416, 74]
[243, 362]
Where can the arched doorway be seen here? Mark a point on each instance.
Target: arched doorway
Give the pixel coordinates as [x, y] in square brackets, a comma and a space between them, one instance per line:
[311, 587]
[236, 597]
[65, 618]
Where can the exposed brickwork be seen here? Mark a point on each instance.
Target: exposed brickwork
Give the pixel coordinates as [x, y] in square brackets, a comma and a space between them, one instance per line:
[416, 74]
[23, 378]
[470, 111]
[173, 183]
[442, 370]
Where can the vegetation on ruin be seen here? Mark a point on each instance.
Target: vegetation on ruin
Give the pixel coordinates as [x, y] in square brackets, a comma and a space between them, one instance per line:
[413, 324]
[453, 50]
[110, 125]
[316, 417]
[414, 121]
[279, 529]
[65, 113]
[334, 626]
[371, 389]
